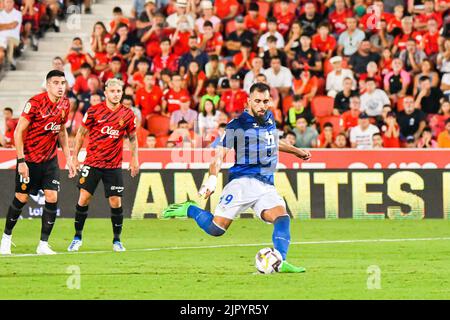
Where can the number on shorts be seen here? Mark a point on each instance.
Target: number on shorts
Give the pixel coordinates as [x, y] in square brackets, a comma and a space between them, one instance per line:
[22, 180]
[85, 171]
[228, 199]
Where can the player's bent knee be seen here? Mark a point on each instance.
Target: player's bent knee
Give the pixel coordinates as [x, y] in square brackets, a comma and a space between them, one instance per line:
[215, 230]
[51, 196]
[115, 202]
[270, 215]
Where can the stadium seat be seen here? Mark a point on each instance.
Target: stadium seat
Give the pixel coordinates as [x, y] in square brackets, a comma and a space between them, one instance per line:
[230, 27]
[334, 120]
[287, 104]
[158, 125]
[264, 8]
[400, 105]
[277, 7]
[322, 106]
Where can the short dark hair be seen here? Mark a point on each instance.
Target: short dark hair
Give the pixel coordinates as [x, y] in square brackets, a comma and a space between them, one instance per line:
[292, 133]
[327, 125]
[370, 79]
[260, 87]
[8, 109]
[86, 66]
[297, 97]
[122, 25]
[182, 121]
[54, 73]
[127, 97]
[271, 39]
[208, 24]
[447, 121]
[116, 59]
[424, 78]
[164, 39]
[77, 38]
[117, 10]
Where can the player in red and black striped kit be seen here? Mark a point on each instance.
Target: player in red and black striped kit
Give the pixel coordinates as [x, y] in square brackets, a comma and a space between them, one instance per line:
[107, 123]
[40, 127]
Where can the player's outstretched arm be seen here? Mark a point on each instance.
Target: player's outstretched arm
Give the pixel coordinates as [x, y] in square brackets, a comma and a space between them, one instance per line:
[63, 139]
[214, 168]
[300, 153]
[79, 140]
[22, 125]
[134, 165]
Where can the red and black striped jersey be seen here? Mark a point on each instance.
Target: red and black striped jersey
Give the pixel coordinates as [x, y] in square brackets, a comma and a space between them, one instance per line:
[46, 120]
[107, 128]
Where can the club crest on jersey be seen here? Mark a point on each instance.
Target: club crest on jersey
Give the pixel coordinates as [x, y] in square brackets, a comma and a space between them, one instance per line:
[111, 131]
[23, 187]
[51, 126]
[82, 180]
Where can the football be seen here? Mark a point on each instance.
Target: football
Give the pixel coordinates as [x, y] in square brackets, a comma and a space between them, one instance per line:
[268, 260]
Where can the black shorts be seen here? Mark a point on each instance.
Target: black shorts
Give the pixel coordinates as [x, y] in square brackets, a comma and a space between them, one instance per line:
[112, 180]
[44, 176]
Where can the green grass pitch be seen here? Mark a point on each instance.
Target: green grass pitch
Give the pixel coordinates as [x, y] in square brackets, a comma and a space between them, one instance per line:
[335, 270]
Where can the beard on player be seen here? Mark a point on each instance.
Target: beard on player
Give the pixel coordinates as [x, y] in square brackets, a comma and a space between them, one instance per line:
[113, 95]
[259, 113]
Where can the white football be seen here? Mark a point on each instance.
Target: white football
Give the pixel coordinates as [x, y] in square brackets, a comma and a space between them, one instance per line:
[268, 260]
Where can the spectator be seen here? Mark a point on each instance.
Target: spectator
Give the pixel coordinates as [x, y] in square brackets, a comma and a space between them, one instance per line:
[349, 41]
[326, 137]
[152, 37]
[253, 21]
[137, 79]
[142, 134]
[144, 16]
[306, 85]
[396, 83]
[118, 19]
[127, 101]
[257, 68]
[226, 9]
[426, 14]
[306, 136]
[207, 10]
[391, 131]
[360, 59]
[340, 142]
[235, 38]
[307, 58]
[377, 141]
[444, 136]
[412, 121]
[81, 82]
[381, 39]
[58, 64]
[411, 142]
[74, 119]
[361, 135]
[179, 40]
[338, 17]
[372, 72]
[10, 24]
[412, 56]
[114, 71]
[310, 19]
[214, 69]
[77, 56]
[437, 121]
[224, 82]
[342, 98]
[428, 99]
[323, 42]
[430, 40]
[233, 100]
[165, 60]
[211, 42]
[273, 51]
[182, 137]
[350, 118]
[194, 54]
[99, 38]
[194, 81]
[92, 98]
[284, 17]
[149, 97]
[181, 11]
[406, 34]
[293, 43]
[427, 70]
[374, 99]
[426, 139]
[290, 138]
[279, 77]
[243, 59]
[151, 141]
[184, 113]
[335, 79]
[103, 59]
[30, 10]
[210, 94]
[208, 121]
[271, 31]
[172, 98]
[445, 85]
[10, 126]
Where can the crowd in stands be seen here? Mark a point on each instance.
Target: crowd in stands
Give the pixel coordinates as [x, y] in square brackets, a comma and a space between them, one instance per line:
[343, 74]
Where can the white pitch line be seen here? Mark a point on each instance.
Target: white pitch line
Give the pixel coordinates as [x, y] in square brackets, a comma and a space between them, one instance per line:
[240, 245]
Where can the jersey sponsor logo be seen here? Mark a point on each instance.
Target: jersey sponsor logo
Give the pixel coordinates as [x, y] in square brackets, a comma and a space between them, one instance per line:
[51, 126]
[110, 131]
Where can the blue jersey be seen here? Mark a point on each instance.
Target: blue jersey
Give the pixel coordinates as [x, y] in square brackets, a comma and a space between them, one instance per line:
[255, 145]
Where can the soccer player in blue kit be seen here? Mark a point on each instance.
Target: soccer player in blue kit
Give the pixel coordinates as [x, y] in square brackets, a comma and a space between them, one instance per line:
[254, 138]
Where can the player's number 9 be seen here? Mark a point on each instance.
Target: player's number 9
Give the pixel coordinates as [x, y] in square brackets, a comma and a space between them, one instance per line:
[85, 171]
[227, 199]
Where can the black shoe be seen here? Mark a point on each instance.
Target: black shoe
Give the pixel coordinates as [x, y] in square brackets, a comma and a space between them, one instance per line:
[56, 28]
[12, 67]
[87, 10]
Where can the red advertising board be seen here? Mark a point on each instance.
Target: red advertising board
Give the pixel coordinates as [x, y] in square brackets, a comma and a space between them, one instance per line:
[321, 159]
